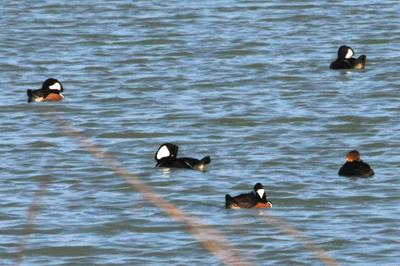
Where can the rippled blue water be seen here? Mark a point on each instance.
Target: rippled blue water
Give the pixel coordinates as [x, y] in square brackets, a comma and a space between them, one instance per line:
[245, 82]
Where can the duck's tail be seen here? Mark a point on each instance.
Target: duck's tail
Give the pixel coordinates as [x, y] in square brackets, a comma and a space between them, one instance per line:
[229, 202]
[30, 96]
[202, 164]
[360, 62]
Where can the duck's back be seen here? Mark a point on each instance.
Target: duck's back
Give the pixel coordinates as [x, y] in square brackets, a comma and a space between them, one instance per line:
[360, 169]
[242, 201]
[349, 63]
[340, 64]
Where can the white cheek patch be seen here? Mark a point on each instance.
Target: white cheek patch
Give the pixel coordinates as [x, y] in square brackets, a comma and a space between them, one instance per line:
[260, 192]
[163, 152]
[56, 86]
[349, 54]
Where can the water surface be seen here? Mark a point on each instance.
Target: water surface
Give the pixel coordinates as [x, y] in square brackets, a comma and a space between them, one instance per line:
[246, 83]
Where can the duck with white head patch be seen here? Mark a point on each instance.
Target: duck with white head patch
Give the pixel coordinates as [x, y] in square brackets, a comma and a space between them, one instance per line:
[167, 156]
[345, 59]
[50, 92]
[255, 199]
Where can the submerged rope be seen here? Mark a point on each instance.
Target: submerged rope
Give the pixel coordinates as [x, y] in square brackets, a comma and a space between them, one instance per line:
[210, 238]
[31, 218]
[306, 242]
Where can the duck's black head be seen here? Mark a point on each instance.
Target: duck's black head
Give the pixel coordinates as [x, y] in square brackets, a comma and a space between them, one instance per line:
[345, 52]
[52, 85]
[259, 191]
[166, 150]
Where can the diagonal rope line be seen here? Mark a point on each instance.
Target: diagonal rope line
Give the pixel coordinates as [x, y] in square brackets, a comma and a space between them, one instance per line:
[210, 238]
[306, 242]
[31, 218]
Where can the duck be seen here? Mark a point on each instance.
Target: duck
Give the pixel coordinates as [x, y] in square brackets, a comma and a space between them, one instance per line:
[167, 156]
[345, 60]
[355, 167]
[255, 199]
[50, 92]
